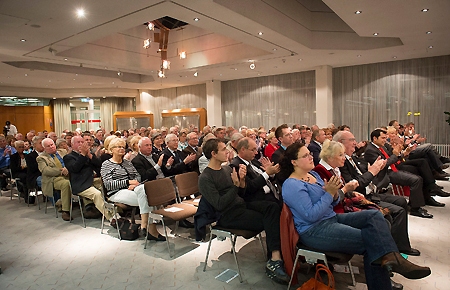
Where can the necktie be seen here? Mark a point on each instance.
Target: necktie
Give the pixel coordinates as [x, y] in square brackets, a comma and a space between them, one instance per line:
[58, 160]
[387, 157]
[256, 171]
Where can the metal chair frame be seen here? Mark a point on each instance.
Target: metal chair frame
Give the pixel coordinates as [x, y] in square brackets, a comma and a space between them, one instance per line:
[110, 207]
[222, 234]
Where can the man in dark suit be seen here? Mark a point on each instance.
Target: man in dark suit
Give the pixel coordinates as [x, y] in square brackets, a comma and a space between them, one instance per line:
[34, 177]
[192, 148]
[317, 139]
[82, 166]
[257, 180]
[375, 150]
[147, 164]
[357, 169]
[174, 161]
[284, 136]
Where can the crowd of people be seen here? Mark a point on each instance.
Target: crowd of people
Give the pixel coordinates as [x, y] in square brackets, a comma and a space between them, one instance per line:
[339, 190]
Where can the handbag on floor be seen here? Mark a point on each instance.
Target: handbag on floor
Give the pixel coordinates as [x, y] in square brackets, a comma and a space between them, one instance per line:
[316, 282]
[128, 231]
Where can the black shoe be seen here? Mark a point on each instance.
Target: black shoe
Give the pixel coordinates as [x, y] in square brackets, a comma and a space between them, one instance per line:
[186, 224]
[159, 238]
[411, 252]
[396, 286]
[439, 192]
[445, 166]
[432, 202]
[439, 176]
[443, 173]
[275, 271]
[421, 212]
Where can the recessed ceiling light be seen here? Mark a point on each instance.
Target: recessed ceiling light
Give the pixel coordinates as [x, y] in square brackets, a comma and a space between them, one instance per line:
[23, 40]
[195, 74]
[220, 74]
[425, 10]
[300, 59]
[429, 32]
[260, 33]
[73, 79]
[65, 59]
[274, 49]
[70, 97]
[54, 98]
[104, 97]
[113, 83]
[430, 46]
[375, 34]
[235, 69]
[394, 57]
[196, 19]
[358, 12]
[80, 13]
[358, 55]
[76, 74]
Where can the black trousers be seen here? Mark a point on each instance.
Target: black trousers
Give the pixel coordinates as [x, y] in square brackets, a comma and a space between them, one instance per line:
[419, 167]
[415, 183]
[398, 208]
[427, 151]
[257, 216]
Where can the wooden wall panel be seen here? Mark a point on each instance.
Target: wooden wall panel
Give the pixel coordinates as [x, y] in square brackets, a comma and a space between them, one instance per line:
[27, 118]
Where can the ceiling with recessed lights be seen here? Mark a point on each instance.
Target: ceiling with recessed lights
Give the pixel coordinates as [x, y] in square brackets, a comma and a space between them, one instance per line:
[49, 50]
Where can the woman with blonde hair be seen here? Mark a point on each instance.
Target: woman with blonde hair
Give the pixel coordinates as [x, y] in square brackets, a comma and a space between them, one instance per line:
[133, 145]
[105, 153]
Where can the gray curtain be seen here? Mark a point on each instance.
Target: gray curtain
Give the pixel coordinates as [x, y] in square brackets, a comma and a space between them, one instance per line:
[415, 90]
[270, 101]
[61, 111]
[108, 107]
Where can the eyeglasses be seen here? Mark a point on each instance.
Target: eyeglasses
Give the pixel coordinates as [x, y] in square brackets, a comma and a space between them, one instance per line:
[307, 155]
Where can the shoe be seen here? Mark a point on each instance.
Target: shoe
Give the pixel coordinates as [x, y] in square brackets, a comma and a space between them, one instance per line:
[439, 192]
[421, 212]
[159, 238]
[66, 216]
[186, 224]
[411, 252]
[275, 271]
[439, 176]
[394, 262]
[432, 202]
[445, 166]
[92, 213]
[396, 286]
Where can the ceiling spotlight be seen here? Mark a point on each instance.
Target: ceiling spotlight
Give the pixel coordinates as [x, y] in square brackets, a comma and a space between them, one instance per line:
[195, 74]
[65, 59]
[147, 43]
[161, 74]
[425, 10]
[274, 49]
[23, 40]
[166, 64]
[394, 57]
[252, 65]
[183, 55]
[196, 19]
[119, 73]
[26, 75]
[358, 55]
[80, 13]
[358, 12]
[375, 34]
[150, 26]
[260, 33]
[430, 46]
[429, 32]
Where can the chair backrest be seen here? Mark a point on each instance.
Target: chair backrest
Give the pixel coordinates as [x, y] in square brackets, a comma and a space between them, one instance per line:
[187, 183]
[289, 238]
[160, 191]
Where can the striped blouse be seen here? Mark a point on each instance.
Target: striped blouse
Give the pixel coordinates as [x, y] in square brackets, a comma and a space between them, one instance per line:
[116, 176]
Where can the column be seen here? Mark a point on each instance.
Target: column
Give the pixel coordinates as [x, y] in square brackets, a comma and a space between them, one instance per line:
[324, 96]
[214, 102]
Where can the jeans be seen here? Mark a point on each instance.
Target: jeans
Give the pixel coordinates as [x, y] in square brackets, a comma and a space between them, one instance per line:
[363, 233]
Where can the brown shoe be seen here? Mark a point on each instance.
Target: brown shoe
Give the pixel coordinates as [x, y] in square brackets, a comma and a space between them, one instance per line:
[66, 216]
[394, 262]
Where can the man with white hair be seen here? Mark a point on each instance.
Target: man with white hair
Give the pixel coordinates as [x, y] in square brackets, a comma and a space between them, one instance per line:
[147, 165]
[55, 175]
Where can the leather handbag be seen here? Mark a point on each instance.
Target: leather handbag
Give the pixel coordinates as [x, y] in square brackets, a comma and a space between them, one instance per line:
[316, 283]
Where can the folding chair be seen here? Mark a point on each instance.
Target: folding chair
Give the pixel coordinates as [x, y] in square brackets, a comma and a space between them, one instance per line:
[232, 234]
[160, 193]
[76, 198]
[12, 182]
[187, 186]
[110, 207]
[34, 191]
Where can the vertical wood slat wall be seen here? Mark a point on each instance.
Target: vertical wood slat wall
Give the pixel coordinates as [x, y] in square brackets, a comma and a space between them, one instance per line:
[369, 96]
[26, 118]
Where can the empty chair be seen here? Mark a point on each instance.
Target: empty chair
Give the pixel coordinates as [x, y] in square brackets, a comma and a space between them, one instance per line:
[160, 194]
[187, 186]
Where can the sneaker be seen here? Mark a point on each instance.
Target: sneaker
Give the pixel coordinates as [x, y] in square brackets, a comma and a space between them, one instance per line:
[275, 271]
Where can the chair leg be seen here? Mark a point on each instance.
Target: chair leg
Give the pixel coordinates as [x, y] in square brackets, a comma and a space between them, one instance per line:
[167, 237]
[103, 219]
[262, 246]
[351, 273]
[81, 211]
[233, 249]
[70, 210]
[293, 270]
[209, 247]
